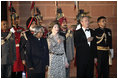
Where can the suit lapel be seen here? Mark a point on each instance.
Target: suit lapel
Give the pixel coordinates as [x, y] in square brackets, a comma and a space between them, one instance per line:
[91, 32]
[92, 35]
[83, 35]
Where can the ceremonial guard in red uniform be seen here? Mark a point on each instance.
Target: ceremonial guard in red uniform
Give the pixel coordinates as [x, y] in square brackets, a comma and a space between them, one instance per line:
[18, 67]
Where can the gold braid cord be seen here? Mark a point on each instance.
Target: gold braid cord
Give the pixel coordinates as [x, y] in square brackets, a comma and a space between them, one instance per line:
[7, 37]
[68, 34]
[101, 38]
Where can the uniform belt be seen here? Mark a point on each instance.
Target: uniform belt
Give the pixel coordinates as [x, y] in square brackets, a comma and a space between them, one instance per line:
[102, 48]
[17, 45]
[56, 53]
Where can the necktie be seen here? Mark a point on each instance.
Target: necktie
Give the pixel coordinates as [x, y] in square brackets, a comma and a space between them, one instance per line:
[87, 30]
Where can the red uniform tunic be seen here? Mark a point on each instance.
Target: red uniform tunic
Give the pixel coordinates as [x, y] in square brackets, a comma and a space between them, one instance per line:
[18, 66]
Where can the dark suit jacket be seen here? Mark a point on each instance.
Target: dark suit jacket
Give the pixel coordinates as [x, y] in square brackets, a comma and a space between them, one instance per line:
[22, 44]
[37, 54]
[84, 53]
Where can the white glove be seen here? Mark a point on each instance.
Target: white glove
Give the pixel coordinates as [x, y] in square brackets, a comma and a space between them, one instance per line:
[12, 30]
[112, 53]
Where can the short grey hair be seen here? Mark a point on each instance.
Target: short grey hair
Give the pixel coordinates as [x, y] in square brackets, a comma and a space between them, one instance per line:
[37, 29]
[81, 18]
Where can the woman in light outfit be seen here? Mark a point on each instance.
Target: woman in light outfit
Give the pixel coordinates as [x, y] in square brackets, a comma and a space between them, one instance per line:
[58, 61]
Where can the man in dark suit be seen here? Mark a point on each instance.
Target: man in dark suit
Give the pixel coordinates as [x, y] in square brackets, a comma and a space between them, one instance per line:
[85, 44]
[37, 54]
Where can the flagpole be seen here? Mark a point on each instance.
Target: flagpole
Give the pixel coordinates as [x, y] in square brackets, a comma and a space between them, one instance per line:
[10, 5]
[34, 8]
[56, 5]
[11, 18]
[55, 8]
[77, 6]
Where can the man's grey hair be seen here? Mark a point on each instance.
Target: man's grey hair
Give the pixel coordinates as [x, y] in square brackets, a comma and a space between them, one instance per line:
[38, 29]
[81, 18]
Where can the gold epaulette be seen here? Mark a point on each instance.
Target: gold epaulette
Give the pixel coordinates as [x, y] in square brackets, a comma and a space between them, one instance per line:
[103, 48]
[68, 34]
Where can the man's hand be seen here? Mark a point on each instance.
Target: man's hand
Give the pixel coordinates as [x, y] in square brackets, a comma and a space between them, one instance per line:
[95, 60]
[23, 61]
[31, 68]
[66, 65]
[46, 68]
[59, 41]
[112, 53]
[90, 39]
[2, 42]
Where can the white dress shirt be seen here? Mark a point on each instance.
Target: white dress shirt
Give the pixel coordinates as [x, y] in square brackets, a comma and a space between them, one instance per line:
[87, 33]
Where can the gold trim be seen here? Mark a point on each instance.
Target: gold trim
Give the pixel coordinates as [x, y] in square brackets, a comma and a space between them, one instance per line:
[102, 48]
[101, 38]
[110, 58]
